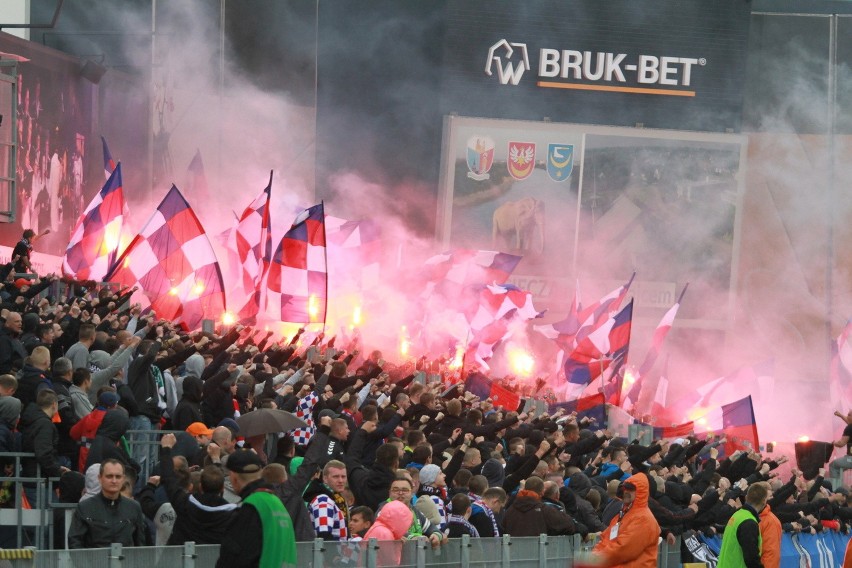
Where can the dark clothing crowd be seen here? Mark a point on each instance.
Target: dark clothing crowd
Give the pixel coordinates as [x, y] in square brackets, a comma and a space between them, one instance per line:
[380, 450]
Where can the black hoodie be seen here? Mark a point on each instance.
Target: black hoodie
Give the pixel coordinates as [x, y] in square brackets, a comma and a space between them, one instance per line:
[39, 436]
[105, 445]
[202, 518]
[188, 410]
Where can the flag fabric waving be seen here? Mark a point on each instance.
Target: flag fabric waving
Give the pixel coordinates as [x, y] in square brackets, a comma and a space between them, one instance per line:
[736, 421]
[462, 267]
[96, 237]
[172, 262]
[619, 346]
[109, 163]
[484, 388]
[593, 316]
[592, 407]
[757, 379]
[249, 243]
[564, 331]
[295, 286]
[660, 335]
[357, 246]
[676, 431]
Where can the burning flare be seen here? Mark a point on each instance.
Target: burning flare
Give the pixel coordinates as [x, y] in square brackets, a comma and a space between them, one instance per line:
[521, 361]
[313, 307]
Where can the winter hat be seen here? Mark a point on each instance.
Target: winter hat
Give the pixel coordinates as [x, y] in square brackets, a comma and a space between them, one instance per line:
[637, 453]
[10, 409]
[295, 463]
[429, 473]
[494, 472]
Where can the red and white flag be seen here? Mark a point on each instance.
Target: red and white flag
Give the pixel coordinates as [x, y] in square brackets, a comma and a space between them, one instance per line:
[249, 243]
[172, 262]
[96, 237]
[295, 285]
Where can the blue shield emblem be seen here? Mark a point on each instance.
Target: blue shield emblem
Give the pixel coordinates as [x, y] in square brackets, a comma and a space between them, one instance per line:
[560, 161]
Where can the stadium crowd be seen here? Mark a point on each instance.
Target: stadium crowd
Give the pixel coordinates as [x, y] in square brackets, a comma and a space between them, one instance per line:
[385, 452]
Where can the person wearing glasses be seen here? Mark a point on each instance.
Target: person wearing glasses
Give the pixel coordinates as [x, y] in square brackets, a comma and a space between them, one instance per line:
[402, 490]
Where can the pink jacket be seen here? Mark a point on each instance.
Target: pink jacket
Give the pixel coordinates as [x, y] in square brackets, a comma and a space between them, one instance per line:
[391, 524]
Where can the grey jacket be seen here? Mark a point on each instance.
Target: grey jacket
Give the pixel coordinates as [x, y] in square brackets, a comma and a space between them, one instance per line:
[80, 401]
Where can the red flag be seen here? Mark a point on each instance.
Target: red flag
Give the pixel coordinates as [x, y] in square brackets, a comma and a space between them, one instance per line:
[172, 262]
[250, 241]
[96, 238]
[295, 286]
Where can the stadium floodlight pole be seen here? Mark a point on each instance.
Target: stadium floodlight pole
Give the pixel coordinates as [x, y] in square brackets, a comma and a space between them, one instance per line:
[831, 113]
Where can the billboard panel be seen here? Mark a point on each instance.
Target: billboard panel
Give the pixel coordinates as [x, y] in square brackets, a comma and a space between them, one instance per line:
[661, 63]
[597, 203]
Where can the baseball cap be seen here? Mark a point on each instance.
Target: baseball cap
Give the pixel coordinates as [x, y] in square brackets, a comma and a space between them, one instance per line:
[244, 461]
[108, 399]
[199, 429]
[328, 412]
[230, 424]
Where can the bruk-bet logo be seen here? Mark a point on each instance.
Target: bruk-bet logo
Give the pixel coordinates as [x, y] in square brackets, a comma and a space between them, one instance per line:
[510, 59]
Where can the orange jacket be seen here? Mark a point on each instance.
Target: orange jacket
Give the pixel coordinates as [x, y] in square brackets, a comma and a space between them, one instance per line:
[770, 532]
[635, 545]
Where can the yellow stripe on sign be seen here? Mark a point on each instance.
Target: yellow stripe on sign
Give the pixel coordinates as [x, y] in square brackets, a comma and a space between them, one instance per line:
[614, 89]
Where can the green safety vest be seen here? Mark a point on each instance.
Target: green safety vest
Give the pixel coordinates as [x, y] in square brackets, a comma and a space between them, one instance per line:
[279, 540]
[731, 555]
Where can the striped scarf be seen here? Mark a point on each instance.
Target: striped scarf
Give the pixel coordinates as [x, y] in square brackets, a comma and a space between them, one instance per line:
[476, 501]
[462, 521]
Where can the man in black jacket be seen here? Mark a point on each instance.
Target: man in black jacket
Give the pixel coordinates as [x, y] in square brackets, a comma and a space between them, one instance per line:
[12, 352]
[41, 438]
[61, 378]
[108, 517]
[203, 517]
[371, 485]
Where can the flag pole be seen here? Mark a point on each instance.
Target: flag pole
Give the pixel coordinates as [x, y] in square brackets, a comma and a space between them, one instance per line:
[325, 255]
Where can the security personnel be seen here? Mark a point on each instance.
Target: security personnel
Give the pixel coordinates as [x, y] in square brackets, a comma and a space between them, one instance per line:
[742, 543]
[261, 533]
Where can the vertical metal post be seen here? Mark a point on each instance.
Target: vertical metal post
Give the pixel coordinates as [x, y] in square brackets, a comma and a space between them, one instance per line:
[465, 550]
[189, 555]
[421, 552]
[542, 551]
[506, 556]
[372, 549]
[115, 555]
[319, 548]
[830, 190]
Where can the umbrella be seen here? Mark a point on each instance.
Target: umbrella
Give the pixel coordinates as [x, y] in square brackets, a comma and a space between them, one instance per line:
[268, 421]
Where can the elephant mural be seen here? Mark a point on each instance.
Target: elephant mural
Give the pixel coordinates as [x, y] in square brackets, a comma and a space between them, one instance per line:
[519, 225]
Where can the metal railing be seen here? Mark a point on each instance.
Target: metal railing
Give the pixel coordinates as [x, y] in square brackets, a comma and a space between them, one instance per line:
[465, 552]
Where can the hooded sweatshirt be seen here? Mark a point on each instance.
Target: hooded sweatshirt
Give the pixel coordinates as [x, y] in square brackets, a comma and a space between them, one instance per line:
[114, 425]
[392, 523]
[632, 536]
[188, 410]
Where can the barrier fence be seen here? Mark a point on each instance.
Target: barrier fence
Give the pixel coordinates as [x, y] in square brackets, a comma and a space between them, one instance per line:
[523, 552]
